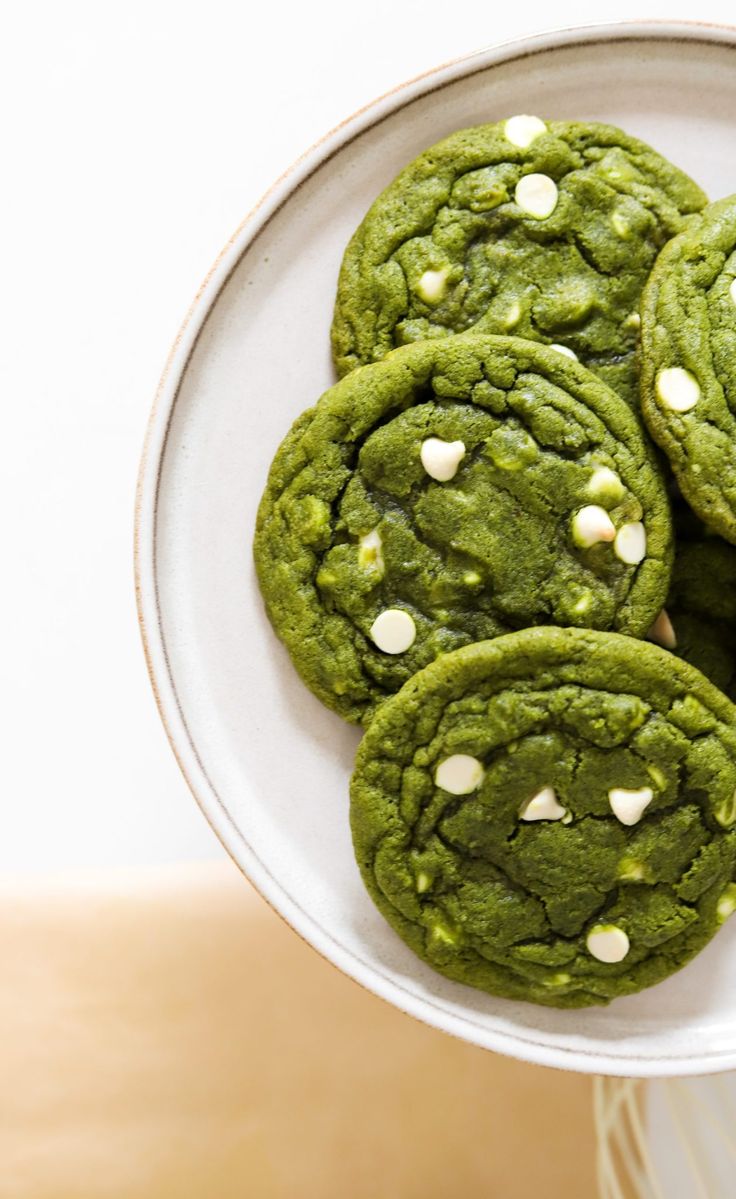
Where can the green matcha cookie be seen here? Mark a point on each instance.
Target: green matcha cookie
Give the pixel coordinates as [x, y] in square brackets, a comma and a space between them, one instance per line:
[459, 489]
[688, 368]
[550, 816]
[547, 231]
[699, 621]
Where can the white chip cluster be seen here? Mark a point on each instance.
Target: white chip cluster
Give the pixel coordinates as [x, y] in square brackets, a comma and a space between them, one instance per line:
[592, 523]
[394, 631]
[607, 942]
[461, 774]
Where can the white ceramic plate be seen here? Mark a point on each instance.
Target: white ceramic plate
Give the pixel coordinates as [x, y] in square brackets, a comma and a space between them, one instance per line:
[267, 763]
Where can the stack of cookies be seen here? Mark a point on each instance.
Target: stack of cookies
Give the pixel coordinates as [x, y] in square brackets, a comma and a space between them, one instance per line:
[473, 546]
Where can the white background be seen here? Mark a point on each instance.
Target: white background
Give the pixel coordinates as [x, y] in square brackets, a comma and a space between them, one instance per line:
[134, 139]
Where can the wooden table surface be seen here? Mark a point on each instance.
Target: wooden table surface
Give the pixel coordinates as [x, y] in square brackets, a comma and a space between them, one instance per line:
[168, 1036]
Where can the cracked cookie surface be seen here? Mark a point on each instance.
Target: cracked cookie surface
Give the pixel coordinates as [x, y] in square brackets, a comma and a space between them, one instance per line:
[590, 850]
[550, 239]
[688, 376]
[455, 491]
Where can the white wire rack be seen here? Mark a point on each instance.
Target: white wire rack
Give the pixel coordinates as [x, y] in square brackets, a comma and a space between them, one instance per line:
[667, 1139]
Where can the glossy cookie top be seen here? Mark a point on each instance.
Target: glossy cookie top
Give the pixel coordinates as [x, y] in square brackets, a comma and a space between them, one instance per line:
[549, 816]
[460, 489]
[688, 369]
[543, 230]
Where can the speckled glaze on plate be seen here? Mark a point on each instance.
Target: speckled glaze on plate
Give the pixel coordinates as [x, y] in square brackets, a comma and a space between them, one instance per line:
[269, 766]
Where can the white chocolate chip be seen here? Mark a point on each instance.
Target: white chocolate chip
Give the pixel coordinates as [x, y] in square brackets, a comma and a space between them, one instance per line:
[621, 225]
[605, 484]
[631, 543]
[513, 315]
[564, 350]
[657, 776]
[521, 131]
[459, 774]
[592, 524]
[543, 806]
[663, 632]
[726, 904]
[393, 631]
[633, 321]
[678, 389]
[630, 871]
[441, 459]
[561, 979]
[607, 943]
[725, 813]
[536, 195]
[431, 286]
[370, 549]
[629, 806]
[732, 290]
[582, 605]
[447, 936]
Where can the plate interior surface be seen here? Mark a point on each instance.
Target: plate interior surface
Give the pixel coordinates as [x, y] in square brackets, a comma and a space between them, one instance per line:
[269, 765]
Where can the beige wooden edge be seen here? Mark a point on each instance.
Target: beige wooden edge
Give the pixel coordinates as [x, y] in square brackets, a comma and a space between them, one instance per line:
[164, 1035]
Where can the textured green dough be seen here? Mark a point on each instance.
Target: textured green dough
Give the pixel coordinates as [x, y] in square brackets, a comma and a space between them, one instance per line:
[505, 905]
[574, 278]
[689, 322]
[702, 608]
[483, 553]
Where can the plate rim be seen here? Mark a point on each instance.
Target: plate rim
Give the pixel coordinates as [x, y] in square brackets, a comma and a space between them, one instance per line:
[508, 1042]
